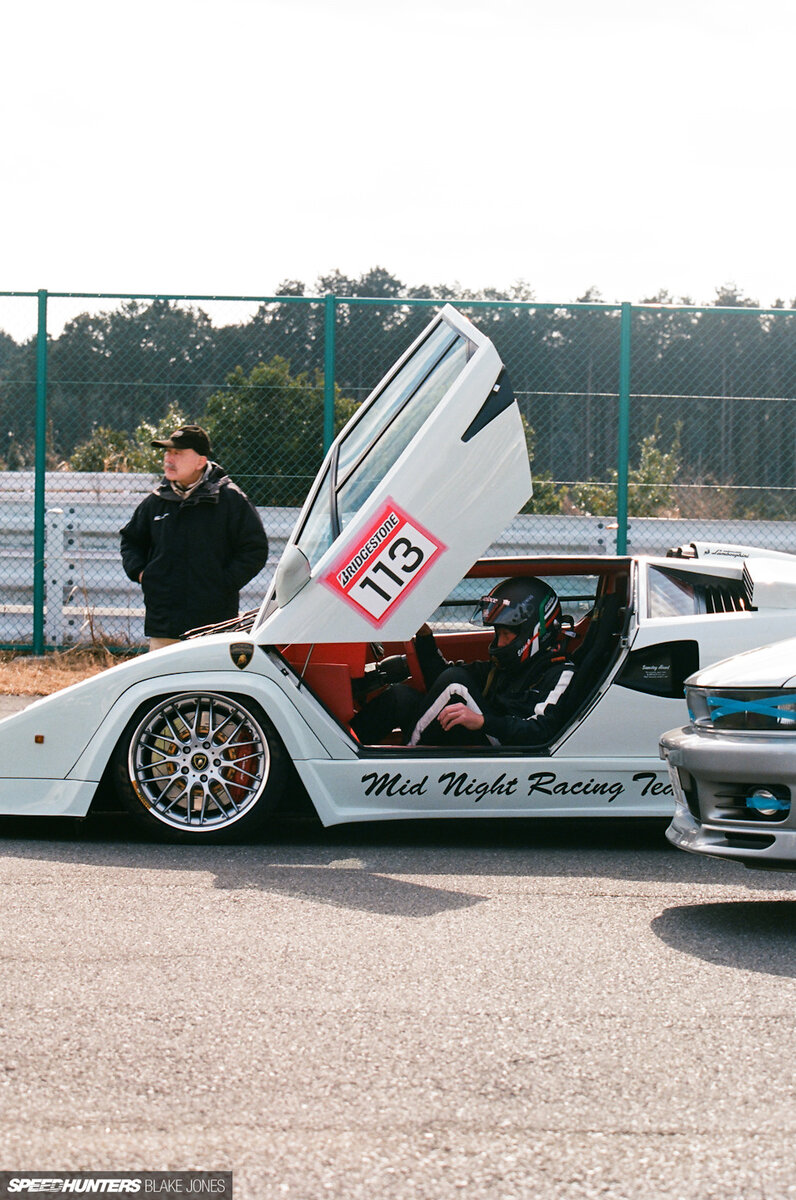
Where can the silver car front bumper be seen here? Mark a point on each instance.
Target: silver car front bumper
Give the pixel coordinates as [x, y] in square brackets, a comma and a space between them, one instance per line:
[711, 776]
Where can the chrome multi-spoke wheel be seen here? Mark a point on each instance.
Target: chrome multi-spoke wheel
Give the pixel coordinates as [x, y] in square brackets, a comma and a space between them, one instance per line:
[199, 762]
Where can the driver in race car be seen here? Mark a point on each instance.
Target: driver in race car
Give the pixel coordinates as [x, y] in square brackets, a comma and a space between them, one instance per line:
[513, 699]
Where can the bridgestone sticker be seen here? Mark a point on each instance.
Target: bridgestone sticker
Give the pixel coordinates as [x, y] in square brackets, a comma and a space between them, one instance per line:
[379, 568]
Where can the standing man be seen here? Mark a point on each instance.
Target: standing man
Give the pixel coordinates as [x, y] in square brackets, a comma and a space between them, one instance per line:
[193, 543]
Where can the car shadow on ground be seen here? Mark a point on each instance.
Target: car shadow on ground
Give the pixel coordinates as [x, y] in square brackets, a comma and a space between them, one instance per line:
[297, 862]
[753, 935]
[612, 848]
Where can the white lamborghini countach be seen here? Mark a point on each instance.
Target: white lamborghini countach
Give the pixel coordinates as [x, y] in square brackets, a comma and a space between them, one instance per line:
[213, 737]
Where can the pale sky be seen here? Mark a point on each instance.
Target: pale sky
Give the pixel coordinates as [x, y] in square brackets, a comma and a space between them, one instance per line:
[190, 146]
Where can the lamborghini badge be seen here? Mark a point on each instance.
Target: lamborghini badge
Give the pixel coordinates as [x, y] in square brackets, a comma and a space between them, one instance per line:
[241, 653]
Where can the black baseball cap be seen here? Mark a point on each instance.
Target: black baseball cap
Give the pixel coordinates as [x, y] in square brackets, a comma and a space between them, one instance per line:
[187, 437]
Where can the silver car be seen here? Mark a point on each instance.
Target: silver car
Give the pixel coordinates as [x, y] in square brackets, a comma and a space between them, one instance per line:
[733, 768]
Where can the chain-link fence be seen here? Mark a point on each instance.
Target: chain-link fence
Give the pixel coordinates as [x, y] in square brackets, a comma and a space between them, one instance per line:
[647, 425]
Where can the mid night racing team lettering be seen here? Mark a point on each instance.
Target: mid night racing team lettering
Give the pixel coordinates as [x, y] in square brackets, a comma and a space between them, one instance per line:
[544, 783]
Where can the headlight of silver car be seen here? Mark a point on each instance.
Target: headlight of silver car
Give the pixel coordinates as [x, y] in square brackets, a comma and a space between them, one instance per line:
[733, 709]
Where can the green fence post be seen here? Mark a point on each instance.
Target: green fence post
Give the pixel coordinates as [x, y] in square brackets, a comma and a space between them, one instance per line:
[328, 371]
[39, 479]
[623, 435]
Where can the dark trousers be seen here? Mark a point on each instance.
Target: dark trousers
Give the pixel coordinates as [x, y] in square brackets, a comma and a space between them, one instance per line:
[401, 707]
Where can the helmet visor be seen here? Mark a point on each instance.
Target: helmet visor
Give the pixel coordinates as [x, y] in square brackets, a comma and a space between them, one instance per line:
[489, 609]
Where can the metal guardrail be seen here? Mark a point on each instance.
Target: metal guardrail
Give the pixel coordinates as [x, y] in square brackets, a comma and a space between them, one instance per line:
[88, 596]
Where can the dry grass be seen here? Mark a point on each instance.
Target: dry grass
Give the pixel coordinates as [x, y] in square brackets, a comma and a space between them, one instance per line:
[24, 675]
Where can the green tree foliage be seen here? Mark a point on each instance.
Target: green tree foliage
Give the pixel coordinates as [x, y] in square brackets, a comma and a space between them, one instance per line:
[116, 369]
[547, 497]
[650, 484]
[17, 402]
[724, 370]
[266, 429]
[114, 450]
[14, 458]
[650, 491]
[106, 450]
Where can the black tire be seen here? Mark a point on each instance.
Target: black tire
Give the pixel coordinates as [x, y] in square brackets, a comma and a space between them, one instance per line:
[200, 767]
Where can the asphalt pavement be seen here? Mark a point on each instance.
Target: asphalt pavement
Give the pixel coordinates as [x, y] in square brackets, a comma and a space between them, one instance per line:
[539, 1010]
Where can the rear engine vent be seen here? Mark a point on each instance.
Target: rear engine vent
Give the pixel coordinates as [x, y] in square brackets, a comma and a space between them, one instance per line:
[748, 586]
[724, 597]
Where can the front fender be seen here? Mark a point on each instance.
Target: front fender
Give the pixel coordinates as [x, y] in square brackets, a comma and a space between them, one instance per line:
[45, 739]
[299, 739]
[48, 737]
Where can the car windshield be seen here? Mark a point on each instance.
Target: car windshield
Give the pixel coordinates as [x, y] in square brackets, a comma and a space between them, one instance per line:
[383, 430]
[316, 532]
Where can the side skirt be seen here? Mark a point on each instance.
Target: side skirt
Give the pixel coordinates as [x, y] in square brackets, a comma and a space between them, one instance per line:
[392, 787]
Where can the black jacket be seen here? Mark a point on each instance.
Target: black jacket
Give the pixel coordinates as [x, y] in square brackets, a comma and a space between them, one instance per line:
[522, 707]
[196, 553]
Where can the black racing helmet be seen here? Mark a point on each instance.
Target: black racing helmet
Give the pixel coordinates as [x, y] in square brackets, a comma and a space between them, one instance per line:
[528, 607]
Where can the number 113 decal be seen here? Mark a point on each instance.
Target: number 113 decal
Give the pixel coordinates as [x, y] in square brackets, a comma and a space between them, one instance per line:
[382, 565]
